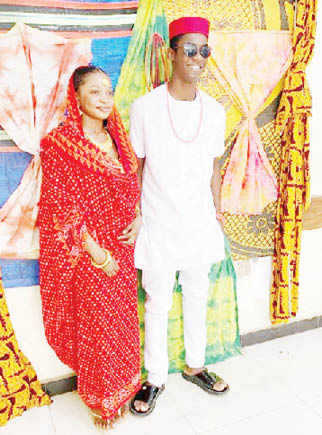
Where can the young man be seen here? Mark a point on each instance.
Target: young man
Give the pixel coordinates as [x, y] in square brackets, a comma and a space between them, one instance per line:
[178, 133]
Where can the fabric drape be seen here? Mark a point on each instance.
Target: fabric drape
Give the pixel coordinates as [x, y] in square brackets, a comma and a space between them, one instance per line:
[34, 70]
[19, 387]
[133, 82]
[90, 319]
[249, 65]
[294, 184]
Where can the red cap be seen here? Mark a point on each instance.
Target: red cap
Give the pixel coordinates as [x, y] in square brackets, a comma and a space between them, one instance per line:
[188, 25]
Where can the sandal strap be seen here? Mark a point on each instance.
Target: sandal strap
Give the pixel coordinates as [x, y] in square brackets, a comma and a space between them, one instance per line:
[147, 393]
[210, 379]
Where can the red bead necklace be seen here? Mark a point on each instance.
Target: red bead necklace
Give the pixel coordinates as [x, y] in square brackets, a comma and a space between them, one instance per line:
[171, 121]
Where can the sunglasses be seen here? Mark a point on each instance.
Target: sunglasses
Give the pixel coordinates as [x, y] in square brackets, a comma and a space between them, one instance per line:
[190, 49]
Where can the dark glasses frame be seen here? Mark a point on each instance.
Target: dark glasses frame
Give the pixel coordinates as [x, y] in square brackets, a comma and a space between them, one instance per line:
[190, 49]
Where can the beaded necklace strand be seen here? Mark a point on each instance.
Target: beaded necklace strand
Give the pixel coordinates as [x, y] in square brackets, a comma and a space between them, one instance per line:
[172, 124]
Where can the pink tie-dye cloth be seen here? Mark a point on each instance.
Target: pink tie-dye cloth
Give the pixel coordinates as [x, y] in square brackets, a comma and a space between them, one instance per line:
[249, 65]
[35, 67]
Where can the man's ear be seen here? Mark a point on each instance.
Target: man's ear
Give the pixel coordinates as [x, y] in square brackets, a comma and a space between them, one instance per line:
[171, 54]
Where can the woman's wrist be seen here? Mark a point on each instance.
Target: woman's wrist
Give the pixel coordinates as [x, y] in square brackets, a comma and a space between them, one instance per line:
[97, 254]
[102, 264]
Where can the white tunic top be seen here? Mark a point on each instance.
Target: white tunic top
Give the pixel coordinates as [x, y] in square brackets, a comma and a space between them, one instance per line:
[179, 227]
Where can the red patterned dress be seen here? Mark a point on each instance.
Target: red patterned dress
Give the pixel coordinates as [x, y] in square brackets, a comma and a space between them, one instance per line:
[91, 320]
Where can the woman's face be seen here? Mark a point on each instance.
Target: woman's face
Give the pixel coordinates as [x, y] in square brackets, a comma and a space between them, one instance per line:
[95, 96]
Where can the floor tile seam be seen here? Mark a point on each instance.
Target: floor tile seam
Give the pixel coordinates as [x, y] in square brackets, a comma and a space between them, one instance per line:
[305, 401]
[52, 417]
[298, 395]
[181, 411]
[240, 420]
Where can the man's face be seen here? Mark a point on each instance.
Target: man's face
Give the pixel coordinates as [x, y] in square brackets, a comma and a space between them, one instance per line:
[188, 69]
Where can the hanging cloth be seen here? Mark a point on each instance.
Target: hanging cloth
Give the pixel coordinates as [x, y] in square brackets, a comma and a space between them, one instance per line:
[34, 70]
[294, 185]
[19, 386]
[249, 65]
[133, 81]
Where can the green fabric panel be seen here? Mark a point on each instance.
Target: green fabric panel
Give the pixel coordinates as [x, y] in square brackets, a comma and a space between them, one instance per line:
[132, 83]
[222, 318]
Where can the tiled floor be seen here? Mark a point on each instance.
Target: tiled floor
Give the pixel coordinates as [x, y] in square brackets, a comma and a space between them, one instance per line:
[276, 388]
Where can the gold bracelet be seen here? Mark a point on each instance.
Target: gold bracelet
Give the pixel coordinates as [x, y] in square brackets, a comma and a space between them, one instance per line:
[107, 260]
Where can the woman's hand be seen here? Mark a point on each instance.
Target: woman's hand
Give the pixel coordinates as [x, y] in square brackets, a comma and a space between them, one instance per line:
[112, 268]
[130, 233]
[104, 256]
[99, 255]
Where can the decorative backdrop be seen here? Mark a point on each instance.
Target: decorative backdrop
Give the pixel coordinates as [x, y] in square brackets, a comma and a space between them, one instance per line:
[109, 25]
[249, 235]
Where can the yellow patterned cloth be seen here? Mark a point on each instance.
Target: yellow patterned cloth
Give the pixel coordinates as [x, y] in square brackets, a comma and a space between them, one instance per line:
[19, 386]
[292, 119]
[248, 235]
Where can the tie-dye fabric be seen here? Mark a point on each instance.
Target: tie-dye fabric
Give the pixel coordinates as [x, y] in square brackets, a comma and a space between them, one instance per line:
[248, 65]
[27, 113]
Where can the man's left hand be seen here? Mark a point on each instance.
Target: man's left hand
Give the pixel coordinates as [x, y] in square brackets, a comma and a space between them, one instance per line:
[130, 233]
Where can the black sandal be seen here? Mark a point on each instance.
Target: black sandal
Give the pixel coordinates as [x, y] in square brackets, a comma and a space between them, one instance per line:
[206, 381]
[147, 394]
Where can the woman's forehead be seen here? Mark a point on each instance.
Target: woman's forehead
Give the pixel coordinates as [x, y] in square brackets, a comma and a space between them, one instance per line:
[97, 78]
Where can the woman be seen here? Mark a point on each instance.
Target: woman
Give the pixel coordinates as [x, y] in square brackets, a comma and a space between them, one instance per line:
[88, 223]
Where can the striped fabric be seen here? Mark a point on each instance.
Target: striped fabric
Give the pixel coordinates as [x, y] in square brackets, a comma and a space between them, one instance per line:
[71, 18]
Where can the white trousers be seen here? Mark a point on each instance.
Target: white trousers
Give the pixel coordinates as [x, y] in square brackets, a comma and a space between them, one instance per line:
[158, 285]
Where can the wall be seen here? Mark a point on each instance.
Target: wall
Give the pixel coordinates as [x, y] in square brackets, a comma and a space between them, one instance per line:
[253, 276]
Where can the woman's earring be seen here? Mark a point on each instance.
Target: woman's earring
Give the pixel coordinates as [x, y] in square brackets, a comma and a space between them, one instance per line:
[79, 108]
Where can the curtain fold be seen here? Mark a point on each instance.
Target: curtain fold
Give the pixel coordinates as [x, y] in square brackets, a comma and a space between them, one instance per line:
[34, 70]
[248, 65]
[294, 183]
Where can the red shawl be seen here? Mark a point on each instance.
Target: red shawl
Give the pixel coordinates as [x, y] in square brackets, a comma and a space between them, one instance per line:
[90, 319]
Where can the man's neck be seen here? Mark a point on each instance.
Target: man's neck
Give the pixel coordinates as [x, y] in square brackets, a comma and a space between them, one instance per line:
[180, 90]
